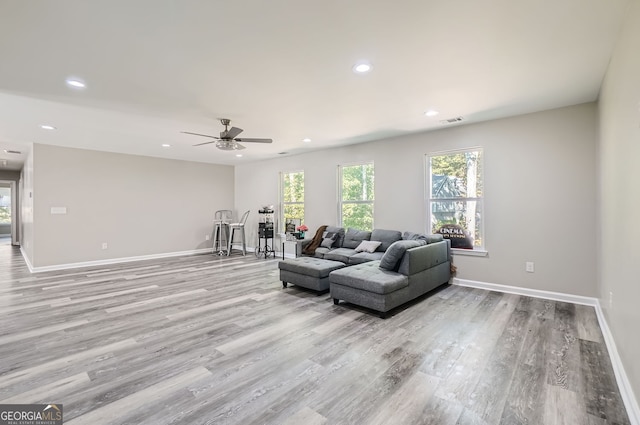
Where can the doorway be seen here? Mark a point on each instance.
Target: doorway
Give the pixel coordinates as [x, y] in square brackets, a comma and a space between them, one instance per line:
[8, 218]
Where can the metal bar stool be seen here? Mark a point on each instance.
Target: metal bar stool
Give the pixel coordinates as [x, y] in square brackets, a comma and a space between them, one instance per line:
[221, 219]
[238, 226]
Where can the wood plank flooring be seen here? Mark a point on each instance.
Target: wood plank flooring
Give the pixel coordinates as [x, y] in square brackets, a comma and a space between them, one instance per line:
[216, 340]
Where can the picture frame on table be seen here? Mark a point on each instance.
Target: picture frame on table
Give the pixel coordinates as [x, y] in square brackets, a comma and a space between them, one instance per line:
[291, 224]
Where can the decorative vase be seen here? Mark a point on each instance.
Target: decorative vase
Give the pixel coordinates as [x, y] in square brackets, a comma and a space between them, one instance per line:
[301, 235]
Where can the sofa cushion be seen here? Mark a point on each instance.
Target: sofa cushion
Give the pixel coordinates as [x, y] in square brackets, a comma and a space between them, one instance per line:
[387, 237]
[391, 258]
[321, 251]
[368, 246]
[339, 254]
[421, 236]
[434, 238]
[364, 257]
[369, 277]
[353, 237]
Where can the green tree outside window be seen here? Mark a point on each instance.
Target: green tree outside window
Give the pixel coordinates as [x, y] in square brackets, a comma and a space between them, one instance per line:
[357, 196]
[292, 197]
[457, 191]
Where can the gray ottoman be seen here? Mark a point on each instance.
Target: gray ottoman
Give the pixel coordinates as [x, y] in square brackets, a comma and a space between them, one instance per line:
[308, 272]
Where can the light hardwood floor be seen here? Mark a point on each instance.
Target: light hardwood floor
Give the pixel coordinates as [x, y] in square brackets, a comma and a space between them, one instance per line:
[210, 340]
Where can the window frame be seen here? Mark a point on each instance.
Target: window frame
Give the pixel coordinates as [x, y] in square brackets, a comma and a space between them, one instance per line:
[341, 202]
[282, 201]
[477, 250]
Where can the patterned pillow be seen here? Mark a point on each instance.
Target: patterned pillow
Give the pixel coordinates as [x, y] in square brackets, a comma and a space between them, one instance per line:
[368, 246]
[328, 242]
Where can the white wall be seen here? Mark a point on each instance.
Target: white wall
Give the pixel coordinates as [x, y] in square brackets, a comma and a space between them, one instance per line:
[26, 207]
[137, 205]
[619, 108]
[540, 193]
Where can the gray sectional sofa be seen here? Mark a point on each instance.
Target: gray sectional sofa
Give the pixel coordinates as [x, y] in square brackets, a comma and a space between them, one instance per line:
[395, 268]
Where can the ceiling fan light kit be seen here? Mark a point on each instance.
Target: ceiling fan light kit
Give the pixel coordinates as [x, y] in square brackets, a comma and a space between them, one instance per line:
[227, 140]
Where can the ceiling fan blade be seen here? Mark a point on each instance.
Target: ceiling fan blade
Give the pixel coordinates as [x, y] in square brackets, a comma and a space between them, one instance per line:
[198, 134]
[206, 143]
[233, 132]
[254, 140]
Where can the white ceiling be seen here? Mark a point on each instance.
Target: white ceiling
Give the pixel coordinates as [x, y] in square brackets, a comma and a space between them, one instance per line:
[282, 69]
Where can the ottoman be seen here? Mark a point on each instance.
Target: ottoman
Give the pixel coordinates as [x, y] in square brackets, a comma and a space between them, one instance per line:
[308, 272]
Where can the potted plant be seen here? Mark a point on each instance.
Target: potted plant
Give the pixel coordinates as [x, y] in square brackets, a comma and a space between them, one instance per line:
[301, 229]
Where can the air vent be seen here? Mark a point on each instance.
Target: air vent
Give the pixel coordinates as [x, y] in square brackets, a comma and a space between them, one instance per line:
[452, 120]
[282, 153]
[13, 152]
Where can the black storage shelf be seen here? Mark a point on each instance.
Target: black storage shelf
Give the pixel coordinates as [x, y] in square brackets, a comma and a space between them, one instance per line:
[265, 232]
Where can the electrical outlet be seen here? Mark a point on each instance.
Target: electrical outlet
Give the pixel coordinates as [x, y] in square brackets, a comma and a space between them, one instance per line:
[610, 300]
[104, 245]
[207, 237]
[529, 266]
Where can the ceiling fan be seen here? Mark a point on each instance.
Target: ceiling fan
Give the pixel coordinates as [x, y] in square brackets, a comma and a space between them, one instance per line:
[227, 140]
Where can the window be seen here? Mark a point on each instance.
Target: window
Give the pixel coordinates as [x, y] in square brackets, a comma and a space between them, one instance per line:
[456, 197]
[292, 198]
[356, 196]
[5, 205]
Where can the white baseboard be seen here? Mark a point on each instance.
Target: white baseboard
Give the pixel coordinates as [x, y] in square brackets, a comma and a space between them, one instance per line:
[626, 391]
[26, 259]
[94, 263]
[536, 293]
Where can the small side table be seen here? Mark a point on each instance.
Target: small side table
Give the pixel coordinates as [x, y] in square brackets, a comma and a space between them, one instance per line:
[297, 244]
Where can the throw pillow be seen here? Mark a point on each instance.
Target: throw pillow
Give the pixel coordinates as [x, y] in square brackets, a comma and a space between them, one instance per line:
[368, 246]
[391, 258]
[328, 242]
[411, 236]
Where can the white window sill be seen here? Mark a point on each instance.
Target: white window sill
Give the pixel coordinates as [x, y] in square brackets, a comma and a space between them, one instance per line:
[470, 252]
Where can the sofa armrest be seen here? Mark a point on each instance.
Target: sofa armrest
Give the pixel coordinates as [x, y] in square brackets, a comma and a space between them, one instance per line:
[424, 257]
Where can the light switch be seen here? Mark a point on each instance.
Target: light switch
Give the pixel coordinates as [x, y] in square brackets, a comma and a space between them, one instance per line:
[58, 210]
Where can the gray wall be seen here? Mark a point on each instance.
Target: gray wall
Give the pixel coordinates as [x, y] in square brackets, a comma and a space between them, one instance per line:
[620, 195]
[540, 193]
[137, 205]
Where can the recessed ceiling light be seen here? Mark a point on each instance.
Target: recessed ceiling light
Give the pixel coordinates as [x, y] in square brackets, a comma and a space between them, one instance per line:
[76, 83]
[362, 67]
[47, 127]
[239, 155]
[166, 145]
[431, 113]
[306, 140]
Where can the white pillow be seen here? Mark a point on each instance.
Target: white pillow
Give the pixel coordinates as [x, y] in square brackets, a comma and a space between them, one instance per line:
[368, 246]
